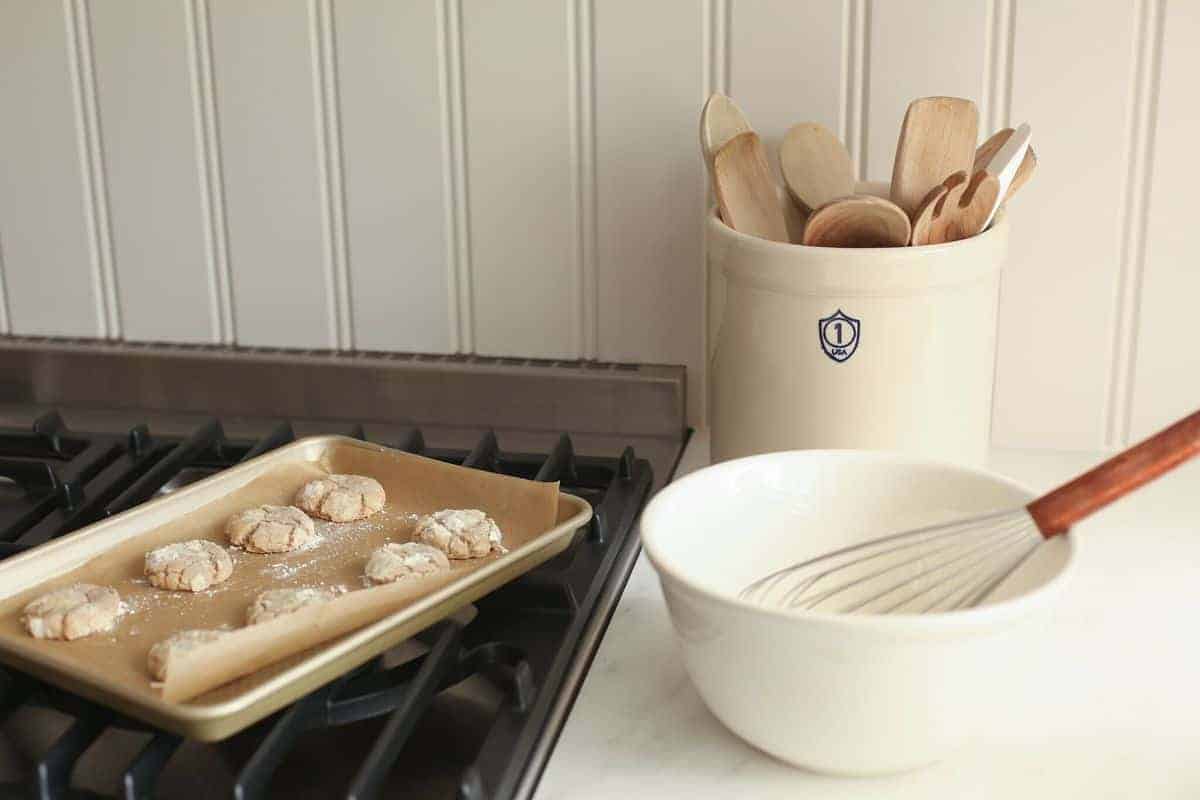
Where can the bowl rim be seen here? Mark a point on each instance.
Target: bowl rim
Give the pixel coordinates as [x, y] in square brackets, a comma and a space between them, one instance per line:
[963, 620]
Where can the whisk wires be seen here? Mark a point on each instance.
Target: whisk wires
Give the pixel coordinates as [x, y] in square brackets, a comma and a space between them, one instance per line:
[939, 567]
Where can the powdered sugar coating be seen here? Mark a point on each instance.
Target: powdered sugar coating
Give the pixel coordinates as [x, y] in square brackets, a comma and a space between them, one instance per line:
[341, 498]
[72, 612]
[176, 646]
[279, 602]
[271, 529]
[190, 566]
[396, 562]
[461, 532]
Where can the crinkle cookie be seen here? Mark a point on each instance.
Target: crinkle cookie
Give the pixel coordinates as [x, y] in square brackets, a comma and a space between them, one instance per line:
[270, 529]
[278, 602]
[191, 566]
[341, 498]
[396, 562]
[72, 612]
[175, 647]
[461, 532]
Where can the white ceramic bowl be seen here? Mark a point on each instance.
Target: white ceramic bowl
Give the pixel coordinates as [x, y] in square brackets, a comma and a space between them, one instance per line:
[843, 694]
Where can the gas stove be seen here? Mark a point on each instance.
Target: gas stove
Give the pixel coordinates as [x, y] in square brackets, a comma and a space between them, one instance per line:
[470, 708]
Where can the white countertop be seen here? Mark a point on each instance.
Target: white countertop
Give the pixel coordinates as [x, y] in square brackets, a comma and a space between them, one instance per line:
[1117, 714]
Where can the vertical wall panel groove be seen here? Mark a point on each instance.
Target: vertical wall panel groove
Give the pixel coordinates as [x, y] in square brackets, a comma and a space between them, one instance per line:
[1143, 88]
[716, 45]
[725, 55]
[846, 70]
[457, 129]
[986, 96]
[996, 98]
[591, 342]
[574, 112]
[714, 284]
[90, 154]
[712, 30]
[332, 197]
[583, 155]
[451, 219]
[1010, 43]
[856, 82]
[208, 163]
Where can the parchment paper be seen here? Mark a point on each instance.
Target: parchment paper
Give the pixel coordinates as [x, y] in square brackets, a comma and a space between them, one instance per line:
[414, 485]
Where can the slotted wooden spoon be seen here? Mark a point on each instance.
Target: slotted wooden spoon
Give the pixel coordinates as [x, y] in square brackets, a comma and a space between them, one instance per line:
[955, 209]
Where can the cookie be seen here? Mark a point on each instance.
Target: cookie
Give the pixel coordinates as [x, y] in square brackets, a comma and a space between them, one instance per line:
[460, 533]
[191, 566]
[397, 562]
[341, 498]
[271, 529]
[176, 646]
[72, 612]
[278, 602]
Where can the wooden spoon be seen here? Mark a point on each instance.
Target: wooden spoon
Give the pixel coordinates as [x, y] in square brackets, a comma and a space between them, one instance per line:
[816, 165]
[986, 153]
[720, 121]
[937, 139]
[746, 194]
[858, 221]
[955, 209]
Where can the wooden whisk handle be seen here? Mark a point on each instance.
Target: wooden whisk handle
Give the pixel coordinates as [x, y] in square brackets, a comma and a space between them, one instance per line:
[1057, 511]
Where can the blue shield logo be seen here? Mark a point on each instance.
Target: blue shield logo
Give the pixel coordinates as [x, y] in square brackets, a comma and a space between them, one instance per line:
[839, 335]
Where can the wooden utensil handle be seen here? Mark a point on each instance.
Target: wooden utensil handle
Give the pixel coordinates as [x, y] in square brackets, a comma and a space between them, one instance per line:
[1057, 511]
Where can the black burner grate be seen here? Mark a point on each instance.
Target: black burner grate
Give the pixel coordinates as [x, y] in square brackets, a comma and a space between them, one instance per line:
[522, 641]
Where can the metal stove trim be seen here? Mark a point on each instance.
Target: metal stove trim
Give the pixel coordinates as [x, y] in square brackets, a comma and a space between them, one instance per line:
[462, 390]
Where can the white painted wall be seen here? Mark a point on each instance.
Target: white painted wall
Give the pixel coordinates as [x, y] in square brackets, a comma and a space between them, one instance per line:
[522, 178]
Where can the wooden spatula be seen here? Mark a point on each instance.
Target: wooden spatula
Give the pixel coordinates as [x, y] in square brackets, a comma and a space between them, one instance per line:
[937, 139]
[858, 221]
[720, 121]
[955, 209]
[816, 166]
[746, 194]
[985, 155]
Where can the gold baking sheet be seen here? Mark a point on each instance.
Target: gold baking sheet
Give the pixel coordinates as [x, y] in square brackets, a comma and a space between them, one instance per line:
[257, 670]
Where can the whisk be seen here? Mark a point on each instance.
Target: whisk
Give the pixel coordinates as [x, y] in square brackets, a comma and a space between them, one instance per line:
[957, 564]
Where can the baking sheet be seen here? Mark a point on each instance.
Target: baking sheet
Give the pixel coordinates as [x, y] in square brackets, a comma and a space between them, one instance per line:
[526, 511]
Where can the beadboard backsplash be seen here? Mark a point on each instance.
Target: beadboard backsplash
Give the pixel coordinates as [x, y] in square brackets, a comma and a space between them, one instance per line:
[523, 177]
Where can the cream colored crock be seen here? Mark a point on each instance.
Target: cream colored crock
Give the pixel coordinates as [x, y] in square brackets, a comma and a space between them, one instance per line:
[876, 348]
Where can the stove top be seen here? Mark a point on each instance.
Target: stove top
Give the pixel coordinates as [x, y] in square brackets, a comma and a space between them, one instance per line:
[469, 708]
